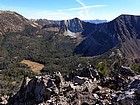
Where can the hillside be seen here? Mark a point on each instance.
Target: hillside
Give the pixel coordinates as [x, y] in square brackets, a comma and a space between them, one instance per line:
[96, 39]
[122, 31]
[13, 22]
[39, 39]
[55, 52]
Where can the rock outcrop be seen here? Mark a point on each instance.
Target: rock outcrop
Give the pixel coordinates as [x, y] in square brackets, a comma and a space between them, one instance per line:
[72, 27]
[120, 89]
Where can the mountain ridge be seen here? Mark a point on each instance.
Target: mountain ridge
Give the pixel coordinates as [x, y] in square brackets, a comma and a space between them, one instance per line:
[95, 39]
[13, 22]
[124, 28]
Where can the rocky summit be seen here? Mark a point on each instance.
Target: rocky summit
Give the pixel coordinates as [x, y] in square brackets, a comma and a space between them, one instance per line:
[121, 87]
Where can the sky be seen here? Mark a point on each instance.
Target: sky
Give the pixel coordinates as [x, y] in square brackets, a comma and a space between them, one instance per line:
[68, 9]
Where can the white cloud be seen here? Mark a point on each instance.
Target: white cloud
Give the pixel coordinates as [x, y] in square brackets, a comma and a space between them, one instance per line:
[81, 3]
[83, 8]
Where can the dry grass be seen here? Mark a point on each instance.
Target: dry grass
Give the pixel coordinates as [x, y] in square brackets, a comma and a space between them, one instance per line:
[36, 67]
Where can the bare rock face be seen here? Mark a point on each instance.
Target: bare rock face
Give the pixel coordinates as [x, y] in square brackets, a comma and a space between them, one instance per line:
[72, 27]
[55, 90]
[32, 92]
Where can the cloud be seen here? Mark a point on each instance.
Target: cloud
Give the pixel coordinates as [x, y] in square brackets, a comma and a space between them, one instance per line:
[86, 7]
[84, 11]
[81, 3]
[83, 8]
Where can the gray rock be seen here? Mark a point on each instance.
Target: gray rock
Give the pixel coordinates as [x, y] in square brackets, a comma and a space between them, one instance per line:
[79, 80]
[126, 71]
[137, 92]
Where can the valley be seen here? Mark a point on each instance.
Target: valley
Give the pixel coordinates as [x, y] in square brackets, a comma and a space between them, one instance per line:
[57, 58]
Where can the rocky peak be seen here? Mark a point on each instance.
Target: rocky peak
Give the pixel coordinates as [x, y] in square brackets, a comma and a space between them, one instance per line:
[126, 25]
[71, 27]
[126, 28]
[127, 17]
[74, 25]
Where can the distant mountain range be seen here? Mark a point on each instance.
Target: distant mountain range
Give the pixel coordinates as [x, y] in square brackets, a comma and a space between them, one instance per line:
[96, 21]
[122, 33]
